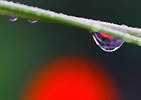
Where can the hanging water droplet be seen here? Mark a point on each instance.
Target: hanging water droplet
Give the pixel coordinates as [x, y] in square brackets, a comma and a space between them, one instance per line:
[106, 42]
[32, 21]
[13, 18]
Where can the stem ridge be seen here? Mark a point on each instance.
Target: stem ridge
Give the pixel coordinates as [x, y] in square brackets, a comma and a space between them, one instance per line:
[123, 32]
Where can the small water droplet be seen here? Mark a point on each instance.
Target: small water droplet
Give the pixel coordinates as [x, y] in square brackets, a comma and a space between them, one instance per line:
[32, 21]
[106, 42]
[13, 18]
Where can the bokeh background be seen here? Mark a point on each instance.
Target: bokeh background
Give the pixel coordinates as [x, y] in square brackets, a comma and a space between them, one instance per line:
[24, 46]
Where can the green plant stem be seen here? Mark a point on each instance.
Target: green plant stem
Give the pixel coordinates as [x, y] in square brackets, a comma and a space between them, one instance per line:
[128, 34]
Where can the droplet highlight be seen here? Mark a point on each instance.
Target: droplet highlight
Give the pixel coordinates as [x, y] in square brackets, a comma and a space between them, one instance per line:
[13, 18]
[32, 21]
[106, 42]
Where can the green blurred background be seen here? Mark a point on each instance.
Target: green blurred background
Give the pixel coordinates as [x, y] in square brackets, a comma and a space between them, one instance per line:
[24, 46]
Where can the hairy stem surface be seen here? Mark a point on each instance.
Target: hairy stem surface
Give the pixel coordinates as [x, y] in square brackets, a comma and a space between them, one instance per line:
[123, 32]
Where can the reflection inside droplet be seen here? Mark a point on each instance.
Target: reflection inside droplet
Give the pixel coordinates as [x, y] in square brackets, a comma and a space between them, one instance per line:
[106, 42]
[13, 18]
[32, 21]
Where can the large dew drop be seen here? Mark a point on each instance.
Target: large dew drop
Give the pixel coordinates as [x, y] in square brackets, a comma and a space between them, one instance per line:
[13, 18]
[106, 42]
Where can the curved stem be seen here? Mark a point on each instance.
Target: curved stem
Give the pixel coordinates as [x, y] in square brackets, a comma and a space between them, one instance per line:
[128, 34]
